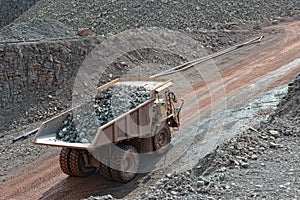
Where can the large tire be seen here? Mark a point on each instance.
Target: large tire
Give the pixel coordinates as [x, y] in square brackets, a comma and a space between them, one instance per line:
[64, 161]
[72, 163]
[105, 172]
[124, 163]
[77, 164]
[161, 140]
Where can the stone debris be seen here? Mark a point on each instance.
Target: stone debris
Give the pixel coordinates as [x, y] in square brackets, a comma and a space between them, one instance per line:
[85, 32]
[106, 197]
[82, 124]
[117, 100]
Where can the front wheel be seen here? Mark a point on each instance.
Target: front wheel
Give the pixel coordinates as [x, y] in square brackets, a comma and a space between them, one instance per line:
[161, 140]
[124, 163]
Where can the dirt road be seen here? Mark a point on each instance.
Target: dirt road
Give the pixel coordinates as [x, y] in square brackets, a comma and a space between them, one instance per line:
[244, 74]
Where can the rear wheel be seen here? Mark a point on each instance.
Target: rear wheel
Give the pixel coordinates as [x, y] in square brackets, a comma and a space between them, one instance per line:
[161, 140]
[124, 163]
[72, 163]
[64, 161]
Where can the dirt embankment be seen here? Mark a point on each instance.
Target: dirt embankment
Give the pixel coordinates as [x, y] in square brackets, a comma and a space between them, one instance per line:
[290, 105]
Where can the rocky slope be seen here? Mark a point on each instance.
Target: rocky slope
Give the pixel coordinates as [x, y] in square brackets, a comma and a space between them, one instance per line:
[114, 16]
[33, 76]
[35, 29]
[207, 21]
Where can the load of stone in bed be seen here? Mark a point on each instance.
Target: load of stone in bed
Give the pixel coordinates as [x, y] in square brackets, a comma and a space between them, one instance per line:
[82, 123]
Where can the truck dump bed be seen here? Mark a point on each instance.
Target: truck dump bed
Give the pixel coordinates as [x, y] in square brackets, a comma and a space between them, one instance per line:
[136, 122]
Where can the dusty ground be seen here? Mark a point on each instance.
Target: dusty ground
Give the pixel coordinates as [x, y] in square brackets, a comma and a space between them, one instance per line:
[239, 70]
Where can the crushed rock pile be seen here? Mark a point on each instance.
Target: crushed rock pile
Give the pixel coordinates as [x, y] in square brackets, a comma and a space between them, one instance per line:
[116, 100]
[83, 122]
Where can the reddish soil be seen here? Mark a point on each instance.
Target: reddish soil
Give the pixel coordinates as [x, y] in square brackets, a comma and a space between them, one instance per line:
[43, 179]
[271, 54]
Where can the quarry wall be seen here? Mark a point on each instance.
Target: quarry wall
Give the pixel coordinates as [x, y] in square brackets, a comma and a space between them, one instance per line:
[32, 72]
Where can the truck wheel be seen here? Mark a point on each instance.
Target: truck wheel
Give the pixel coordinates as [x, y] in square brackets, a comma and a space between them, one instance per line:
[161, 140]
[105, 172]
[124, 163]
[64, 161]
[77, 164]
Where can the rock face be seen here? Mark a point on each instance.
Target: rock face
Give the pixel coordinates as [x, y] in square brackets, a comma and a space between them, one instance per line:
[12, 9]
[82, 125]
[37, 78]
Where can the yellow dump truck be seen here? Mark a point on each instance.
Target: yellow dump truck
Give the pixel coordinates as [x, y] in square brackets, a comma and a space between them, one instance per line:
[115, 146]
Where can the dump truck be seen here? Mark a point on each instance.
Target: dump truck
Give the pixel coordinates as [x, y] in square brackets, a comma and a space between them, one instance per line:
[115, 146]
